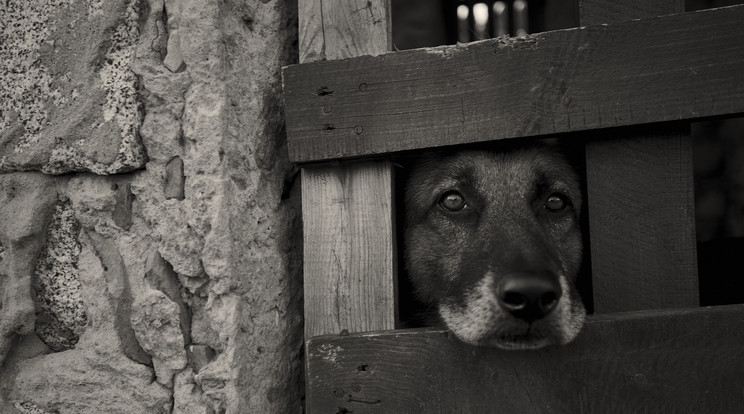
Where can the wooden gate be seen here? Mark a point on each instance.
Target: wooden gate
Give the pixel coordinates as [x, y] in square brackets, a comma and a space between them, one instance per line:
[628, 82]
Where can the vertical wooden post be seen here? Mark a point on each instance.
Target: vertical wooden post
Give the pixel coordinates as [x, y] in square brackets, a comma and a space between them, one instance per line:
[640, 199]
[348, 210]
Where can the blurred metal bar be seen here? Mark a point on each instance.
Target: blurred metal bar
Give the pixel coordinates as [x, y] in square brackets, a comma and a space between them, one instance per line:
[520, 18]
[463, 24]
[500, 19]
[480, 21]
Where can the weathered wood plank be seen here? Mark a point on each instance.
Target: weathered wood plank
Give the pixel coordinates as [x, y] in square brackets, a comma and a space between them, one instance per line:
[640, 200]
[349, 227]
[339, 29]
[642, 219]
[675, 361]
[349, 248]
[675, 67]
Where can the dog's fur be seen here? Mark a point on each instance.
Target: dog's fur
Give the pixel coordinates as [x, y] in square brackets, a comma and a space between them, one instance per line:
[457, 260]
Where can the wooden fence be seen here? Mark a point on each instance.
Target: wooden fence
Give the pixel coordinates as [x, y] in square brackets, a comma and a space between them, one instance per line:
[627, 82]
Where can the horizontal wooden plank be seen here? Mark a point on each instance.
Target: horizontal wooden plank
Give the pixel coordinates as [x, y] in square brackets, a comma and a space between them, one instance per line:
[674, 361]
[681, 66]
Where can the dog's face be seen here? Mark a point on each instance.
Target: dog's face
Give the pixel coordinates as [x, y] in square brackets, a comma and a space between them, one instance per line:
[493, 244]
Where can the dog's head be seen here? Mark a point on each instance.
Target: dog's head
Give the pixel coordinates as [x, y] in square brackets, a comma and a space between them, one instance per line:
[493, 243]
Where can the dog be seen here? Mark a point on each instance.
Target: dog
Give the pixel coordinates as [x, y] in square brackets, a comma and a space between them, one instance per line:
[493, 245]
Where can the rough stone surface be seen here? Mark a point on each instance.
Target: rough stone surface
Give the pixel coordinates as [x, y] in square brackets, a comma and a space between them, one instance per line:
[26, 205]
[174, 179]
[157, 325]
[199, 356]
[183, 260]
[68, 96]
[160, 276]
[29, 408]
[85, 383]
[121, 294]
[187, 398]
[60, 311]
[96, 373]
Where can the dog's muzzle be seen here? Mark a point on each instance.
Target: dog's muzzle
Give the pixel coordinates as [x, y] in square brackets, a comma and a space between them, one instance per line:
[529, 296]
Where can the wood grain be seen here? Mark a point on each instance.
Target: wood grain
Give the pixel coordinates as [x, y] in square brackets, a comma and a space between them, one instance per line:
[311, 36]
[349, 227]
[642, 219]
[339, 29]
[667, 68]
[640, 200]
[349, 248]
[675, 361]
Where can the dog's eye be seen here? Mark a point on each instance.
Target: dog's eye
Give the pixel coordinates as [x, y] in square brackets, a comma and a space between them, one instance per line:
[452, 201]
[556, 203]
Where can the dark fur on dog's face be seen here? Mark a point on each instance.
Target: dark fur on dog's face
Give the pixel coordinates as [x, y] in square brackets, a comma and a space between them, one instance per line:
[477, 220]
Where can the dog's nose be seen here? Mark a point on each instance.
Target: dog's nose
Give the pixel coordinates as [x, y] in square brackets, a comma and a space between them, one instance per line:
[529, 296]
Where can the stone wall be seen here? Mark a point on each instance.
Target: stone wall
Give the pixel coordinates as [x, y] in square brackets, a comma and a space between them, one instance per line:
[148, 223]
